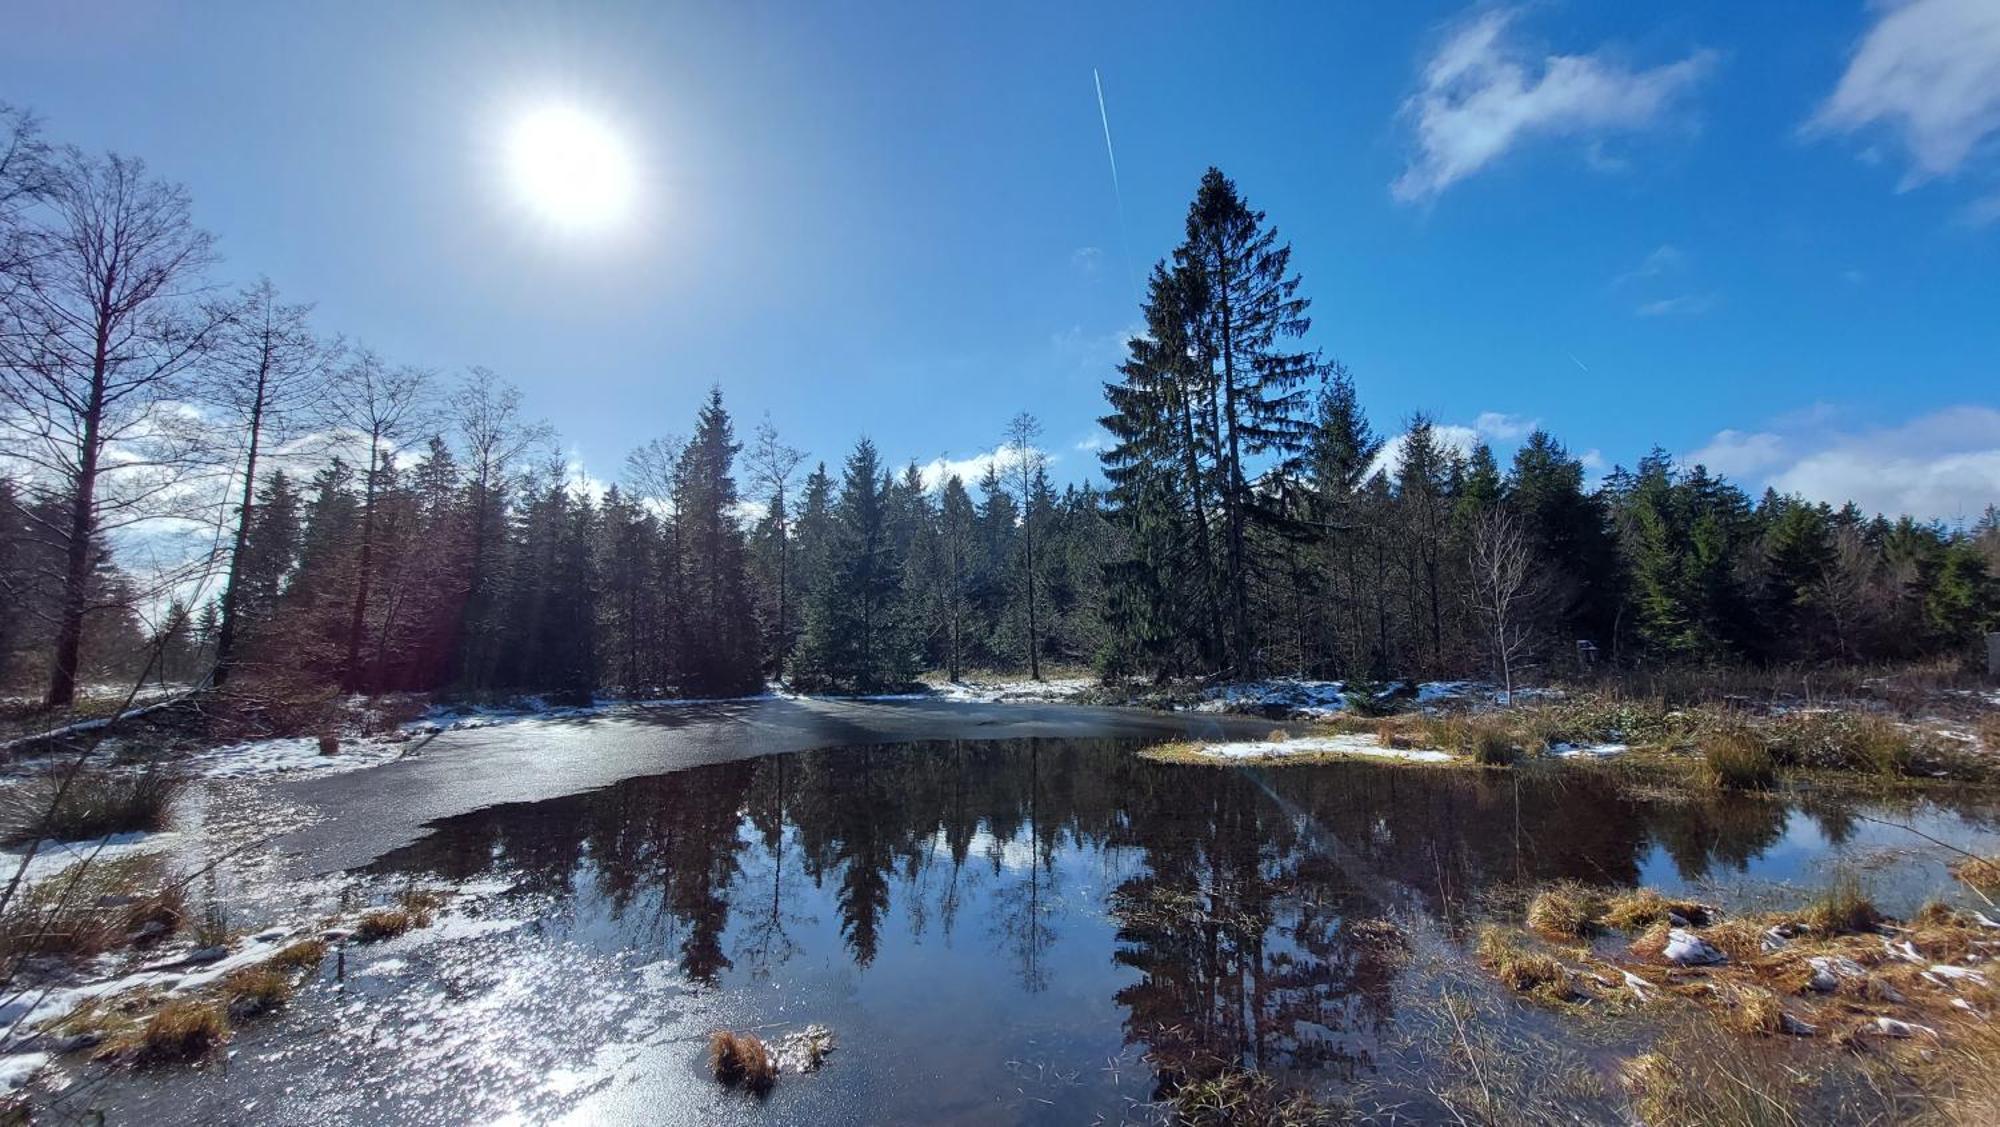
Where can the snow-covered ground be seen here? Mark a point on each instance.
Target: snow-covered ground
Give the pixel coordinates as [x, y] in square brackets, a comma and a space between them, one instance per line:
[1344, 744]
[293, 757]
[1056, 690]
[1588, 751]
[1320, 699]
[52, 857]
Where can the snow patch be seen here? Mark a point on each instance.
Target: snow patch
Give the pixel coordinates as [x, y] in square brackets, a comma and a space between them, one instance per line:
[17, 1068]
[52, 857]
[292, 756]
[1588, 751]
[1319, 745]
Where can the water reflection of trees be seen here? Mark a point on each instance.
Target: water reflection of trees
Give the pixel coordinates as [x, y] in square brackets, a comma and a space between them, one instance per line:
[1245, 901]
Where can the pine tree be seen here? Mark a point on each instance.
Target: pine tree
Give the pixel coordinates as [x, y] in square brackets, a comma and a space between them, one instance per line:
[857, 633]
[719, 639]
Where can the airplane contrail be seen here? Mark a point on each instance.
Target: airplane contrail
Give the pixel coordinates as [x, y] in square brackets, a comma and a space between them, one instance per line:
[1117, 192]
[1578, 363]
[1104, 116]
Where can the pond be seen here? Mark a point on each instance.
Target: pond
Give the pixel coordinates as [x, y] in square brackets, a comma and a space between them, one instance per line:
[1003, 931]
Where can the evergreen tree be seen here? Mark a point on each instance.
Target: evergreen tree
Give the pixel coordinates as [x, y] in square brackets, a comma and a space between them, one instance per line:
[719, 645]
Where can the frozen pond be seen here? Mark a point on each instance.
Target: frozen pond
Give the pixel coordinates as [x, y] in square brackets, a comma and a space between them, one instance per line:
[1032, 930]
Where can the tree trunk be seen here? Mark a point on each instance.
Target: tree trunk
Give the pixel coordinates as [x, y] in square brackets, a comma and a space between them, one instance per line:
[82, 522]
[225, 638]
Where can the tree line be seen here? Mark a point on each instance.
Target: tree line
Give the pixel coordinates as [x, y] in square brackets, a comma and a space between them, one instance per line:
[207, 488]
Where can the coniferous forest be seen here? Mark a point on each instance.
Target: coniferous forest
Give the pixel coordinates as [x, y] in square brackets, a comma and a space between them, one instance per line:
[202, 484]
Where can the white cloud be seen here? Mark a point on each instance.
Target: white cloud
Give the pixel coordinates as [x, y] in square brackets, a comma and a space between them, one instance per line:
[1087, 259]
[1930, 71]
[1683, 305]
[1735, 453]
[1943, 466]
[1488, 427]
[937, 471]
[1494, 424]
[1482, 95]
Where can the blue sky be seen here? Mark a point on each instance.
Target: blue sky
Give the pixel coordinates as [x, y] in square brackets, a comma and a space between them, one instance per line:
[1762, 234]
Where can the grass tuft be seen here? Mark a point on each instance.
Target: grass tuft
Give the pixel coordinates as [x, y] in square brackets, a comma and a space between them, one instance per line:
[1240, 1096]
[1520, 969]
[90, 908]
[306, 954]
[95, 804]
[741, 1060]
[1843, 909]
[1733, 758]
[256, 990]
[1640, 908]
[180, 1032]
[1566, 910]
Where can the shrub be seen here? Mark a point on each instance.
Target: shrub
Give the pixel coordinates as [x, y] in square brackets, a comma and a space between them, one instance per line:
[1733, 758]
[741, 1060]
[94, 804]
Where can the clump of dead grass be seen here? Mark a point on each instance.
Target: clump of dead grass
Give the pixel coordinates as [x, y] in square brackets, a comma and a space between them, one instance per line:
[1522, 969]
[306, 954]
[1566, 910]
[183, 1031]
[90, 908]
[256, 990]
[1733, 758]
[82, 805]
[411, 909]
[1982, 873]
[1843, 909]
[741, 1060]
[1240, 1097]
[1696, 1074]
[1640, 908]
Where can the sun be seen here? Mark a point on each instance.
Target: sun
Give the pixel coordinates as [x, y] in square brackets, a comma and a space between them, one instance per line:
[571, 168]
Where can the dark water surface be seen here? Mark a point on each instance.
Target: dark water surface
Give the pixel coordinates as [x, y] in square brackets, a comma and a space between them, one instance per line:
[1006, 931]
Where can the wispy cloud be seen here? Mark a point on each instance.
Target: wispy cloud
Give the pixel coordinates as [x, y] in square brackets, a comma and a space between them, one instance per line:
[1665, 259]
[1683, 305]
[1929, 71]
[1941, 466]
[1483, 94]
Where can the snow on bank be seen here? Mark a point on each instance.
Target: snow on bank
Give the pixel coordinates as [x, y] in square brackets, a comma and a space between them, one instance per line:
[1321, 699]
[1588, 751]
[1057, 690]
[1346, 744]
[291, 756]
[52, 857]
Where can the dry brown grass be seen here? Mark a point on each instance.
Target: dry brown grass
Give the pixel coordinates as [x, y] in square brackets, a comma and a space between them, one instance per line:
[1982, 873]
[1734, 758]
[1752, 1010]
[1566, 910]
[1640, 908]
[1239, 1097]
[90, 908]
[379, 924]
[741, 1060]
[1843, 909]
[306, 954]
[256, 990]
[1696, 1074]
[181, 1032]
[1522, 969]
[94, 803]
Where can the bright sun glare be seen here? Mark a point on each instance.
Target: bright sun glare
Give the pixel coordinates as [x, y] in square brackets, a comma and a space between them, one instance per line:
[571, 168]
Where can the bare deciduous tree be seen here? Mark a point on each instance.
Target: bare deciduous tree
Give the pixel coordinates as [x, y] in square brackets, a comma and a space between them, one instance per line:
[98, 332]
[381, 407]
[1505, 589]
[266, 375]
[1026, 464]
[772, 466]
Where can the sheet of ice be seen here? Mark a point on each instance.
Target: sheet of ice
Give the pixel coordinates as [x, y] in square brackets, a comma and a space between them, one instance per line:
[1588, 751]
[1303, 698]
[1320, 745]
